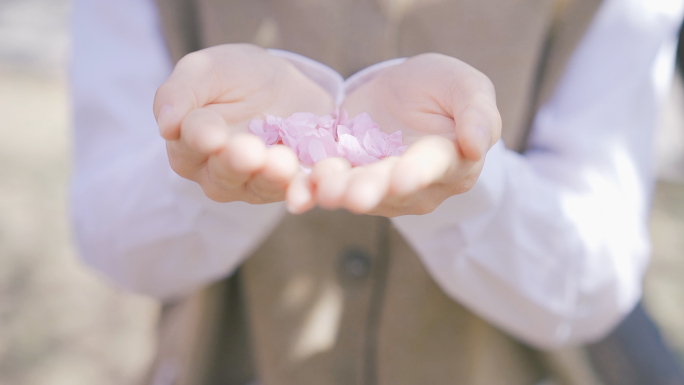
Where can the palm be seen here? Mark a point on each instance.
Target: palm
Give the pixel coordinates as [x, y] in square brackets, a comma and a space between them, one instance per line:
[415, 115]
[247, 83]
[447, 113]
[204, 109]
[427, 95]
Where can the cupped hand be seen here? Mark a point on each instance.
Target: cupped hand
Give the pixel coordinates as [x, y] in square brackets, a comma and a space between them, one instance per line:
[447, 112]
[203, 111]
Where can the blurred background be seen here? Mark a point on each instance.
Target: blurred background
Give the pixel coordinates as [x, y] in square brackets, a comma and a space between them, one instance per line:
[59, 323]
[62, 324]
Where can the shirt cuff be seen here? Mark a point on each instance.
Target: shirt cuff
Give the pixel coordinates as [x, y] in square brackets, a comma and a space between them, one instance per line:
[331, 80]
[324, 76]
[365, 75]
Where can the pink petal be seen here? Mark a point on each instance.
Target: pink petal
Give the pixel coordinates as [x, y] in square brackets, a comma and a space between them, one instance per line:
[395, 144]
[340, 116]
[290, 141]
[316, 150]
[312, 149]
[267, 133]
[361, 124]
[302, 119]
[315, 138]
[292, 134]
[374, 141]
[331, 146]
[354, 152]
[398, 151]
[327, 122]
[342, 129]
[274, 120]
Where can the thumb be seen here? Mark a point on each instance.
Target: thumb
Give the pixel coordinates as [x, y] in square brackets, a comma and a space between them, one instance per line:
[190, 86]
[478, 127]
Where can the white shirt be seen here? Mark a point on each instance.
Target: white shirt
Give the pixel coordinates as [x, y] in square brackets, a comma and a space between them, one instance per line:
[551, 246]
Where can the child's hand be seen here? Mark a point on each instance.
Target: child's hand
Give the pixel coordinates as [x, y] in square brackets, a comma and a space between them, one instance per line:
[203, 111]
[447, 112]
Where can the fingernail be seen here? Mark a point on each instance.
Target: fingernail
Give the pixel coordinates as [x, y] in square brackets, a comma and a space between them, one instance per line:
[290, 209]
[479, 144]
[297, 199]
[296, 207]
[483, 139]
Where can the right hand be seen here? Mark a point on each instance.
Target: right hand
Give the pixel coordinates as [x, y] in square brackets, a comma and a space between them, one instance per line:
[446, 111]
[203, 111]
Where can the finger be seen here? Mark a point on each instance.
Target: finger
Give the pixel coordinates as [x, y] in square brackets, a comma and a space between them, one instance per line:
[478, 127]
[244, 153]
[427, 161]
[369, 185]
[330, 177]
[298, 196]
[279, 170]
[185, 161]
[242, 156]
[202, 134]
[204, 131]
[191, 85]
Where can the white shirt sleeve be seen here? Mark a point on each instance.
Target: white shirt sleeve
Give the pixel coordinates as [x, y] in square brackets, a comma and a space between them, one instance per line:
[136, 220]
[552, 245]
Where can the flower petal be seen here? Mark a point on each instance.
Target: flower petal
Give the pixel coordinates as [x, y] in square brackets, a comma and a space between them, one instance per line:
[315, 138]
[268, 133]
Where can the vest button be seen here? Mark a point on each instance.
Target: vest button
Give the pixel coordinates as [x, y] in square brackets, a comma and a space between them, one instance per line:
[355, 263]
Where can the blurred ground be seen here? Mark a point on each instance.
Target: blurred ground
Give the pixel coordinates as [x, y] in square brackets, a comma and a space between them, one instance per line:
[59, 323]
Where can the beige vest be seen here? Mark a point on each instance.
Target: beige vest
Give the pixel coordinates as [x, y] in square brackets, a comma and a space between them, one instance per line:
[334, 298]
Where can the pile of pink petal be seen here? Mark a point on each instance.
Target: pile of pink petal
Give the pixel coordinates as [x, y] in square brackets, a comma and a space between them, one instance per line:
[314, 138]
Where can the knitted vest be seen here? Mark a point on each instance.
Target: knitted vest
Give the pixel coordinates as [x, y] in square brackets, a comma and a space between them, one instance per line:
[335, 298]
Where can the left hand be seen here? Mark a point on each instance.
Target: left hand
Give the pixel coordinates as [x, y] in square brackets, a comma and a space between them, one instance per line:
[447, 112]
[204, 109]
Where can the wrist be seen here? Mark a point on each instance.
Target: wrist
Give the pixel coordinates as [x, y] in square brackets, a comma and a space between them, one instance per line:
[327, 78]
[367, 74]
